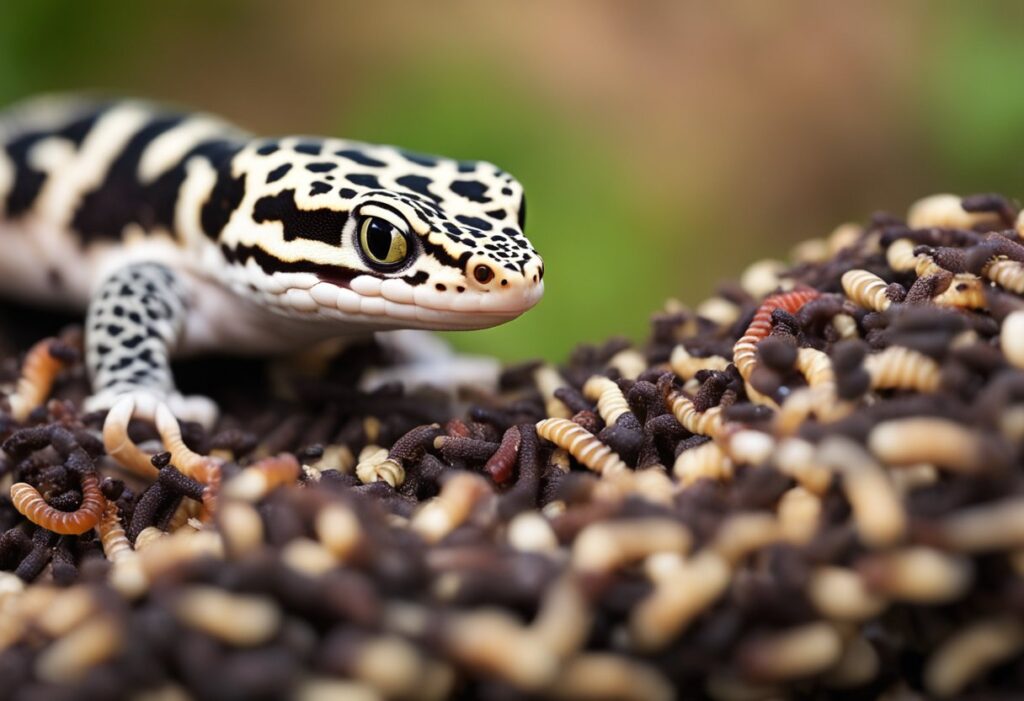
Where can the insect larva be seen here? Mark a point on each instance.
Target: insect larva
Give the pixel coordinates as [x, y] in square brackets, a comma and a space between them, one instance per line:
[900, 256]
[581, 444]
[799, 511]
[37, 375]
[810, 251]
[115, 543]
[917, 574]
[742, 534]
[1011, 338]
[374, 465]
[236, 619]
[629, 362]
[500, 465]
[187, 510]
[706, 461]
[947, 212]
[119, 446]
[1008, 274]
[611, 404]
[877, 508]
[841, 594]
[941, 442]
[718, 310]
[898, 367]
[970, 653]
[449, 509]
[681, 594]
[967, 291]
[744, 353]
[993, 526]
[241, 528]
[69, 658]
[797, 652]
[30, 503]
[606, 546]
[262, 477]
[705, 423]
[762, 277]
[816, 367]
[797, 458]
[339, 530]
[548, 380]
[843, 236]
[199, 467]
[865, 289]
[594, 675]
[686, 366]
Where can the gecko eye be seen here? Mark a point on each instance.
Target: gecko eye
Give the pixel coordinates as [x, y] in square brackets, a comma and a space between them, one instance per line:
[382, 243]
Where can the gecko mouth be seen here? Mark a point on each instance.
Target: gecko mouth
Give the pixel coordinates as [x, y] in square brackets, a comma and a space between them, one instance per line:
[373, 301]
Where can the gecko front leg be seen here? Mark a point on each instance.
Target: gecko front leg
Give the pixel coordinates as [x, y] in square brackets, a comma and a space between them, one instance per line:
[136, 320]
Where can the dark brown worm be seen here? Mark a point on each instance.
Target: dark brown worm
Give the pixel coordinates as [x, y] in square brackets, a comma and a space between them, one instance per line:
[499, 466]
[30, 503]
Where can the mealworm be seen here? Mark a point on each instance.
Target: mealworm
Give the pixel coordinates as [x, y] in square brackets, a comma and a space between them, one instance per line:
[843, 236]
[30, 503]
[705, 423]
[705, 461]
[744, 533]
[1008, 274]
[762, 277]
[449, 509]
[548, 380]
[799, 511]
[682, 593]
[971, 652]
[941, 442]
[607, 546]
[810, 251]
[37, 375]
[865, 289]
[529, 531]
[917, 574]
[686, 366]
[877, 509]
[237, 619]
[374, 465]
[987, 527]
[900, 255]
[842, 595]
[967, 291]
[946, 211]
[1011, 338]
[797, 652]
[611, 404]
[898, 367]
[718, 310]
[744, 352]
[70, 658]
[596, 675]
[112, 536]
[199, 467]
[629, 362]
[262, 477]
[582, 445]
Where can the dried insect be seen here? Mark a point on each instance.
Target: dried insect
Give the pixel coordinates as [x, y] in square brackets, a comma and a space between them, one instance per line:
[30, 503]
[374, 466]
[500, 465]
[866, 290]
[745, 350]
[581, 444]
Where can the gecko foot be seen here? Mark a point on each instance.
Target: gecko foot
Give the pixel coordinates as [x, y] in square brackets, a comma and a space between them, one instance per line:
[197, 408]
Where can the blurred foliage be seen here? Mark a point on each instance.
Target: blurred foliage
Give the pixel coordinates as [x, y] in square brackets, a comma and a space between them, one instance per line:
[662, 145]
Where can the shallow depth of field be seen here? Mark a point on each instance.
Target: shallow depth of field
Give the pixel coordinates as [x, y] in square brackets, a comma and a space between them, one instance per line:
[663, 145]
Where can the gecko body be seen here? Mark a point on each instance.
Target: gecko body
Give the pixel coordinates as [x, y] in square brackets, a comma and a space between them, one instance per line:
[179, 233]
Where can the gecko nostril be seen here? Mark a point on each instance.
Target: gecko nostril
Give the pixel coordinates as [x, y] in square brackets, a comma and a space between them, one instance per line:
[504, 283]
[483, 274]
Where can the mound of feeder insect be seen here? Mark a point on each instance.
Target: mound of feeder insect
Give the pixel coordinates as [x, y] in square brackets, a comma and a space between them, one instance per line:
[807, 486]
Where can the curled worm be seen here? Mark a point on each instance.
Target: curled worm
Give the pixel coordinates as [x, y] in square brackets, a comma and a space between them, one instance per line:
[30, 503]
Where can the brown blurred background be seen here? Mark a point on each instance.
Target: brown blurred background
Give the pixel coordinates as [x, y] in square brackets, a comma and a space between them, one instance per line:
[663, 145]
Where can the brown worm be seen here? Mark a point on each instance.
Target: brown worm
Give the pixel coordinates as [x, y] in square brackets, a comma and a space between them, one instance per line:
[30, 503]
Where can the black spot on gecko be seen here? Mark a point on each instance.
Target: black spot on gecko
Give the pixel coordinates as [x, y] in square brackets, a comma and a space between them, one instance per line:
[310, 148]
[467, 166]
[475, 222]
[471, 189]
[114, 329]
[132, 342]
[498, 214]
[226, 195]
[321, 167]
[420, 159]
[416, 279]
[360, 158]
[364, 180]
[267, 149]
[319, 188]
[242, 254]
[278, 173]
[313, 224]
[347, 192]
[28, 181]
[419, 184]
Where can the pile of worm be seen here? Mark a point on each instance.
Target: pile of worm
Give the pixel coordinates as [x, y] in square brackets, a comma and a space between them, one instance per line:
[809, 485]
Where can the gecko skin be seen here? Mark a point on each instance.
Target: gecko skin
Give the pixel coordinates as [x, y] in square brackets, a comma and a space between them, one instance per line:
[179, 234]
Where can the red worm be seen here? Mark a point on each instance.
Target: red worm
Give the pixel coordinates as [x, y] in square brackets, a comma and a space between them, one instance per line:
[500, 465]
[30, 503]
[744, 353]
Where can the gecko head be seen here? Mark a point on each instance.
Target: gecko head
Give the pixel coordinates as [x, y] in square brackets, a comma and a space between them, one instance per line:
[381, 238]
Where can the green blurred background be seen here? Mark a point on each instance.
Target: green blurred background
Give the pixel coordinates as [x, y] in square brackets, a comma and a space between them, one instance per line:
[663, 145]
